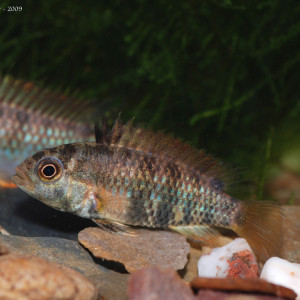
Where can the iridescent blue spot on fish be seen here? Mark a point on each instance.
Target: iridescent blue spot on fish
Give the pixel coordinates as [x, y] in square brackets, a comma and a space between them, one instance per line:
[114, 190]
[178, 193]
[163, 179]
[126, 181]
[183, 186]
[158, 186]
[189, 188]
[27, 138]
[121, 191]
[19, 135]
[49, 131]
[152, 196]
[44, 140]
[155, 179]
[129, 193]
[42, 130]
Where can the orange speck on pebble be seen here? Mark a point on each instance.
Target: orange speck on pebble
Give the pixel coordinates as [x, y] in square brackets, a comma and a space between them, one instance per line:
[243, 264]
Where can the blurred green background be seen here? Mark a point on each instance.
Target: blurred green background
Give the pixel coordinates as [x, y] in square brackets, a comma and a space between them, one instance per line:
[223, 75]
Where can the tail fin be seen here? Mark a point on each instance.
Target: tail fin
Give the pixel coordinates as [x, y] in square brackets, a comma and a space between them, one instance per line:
[261, 225]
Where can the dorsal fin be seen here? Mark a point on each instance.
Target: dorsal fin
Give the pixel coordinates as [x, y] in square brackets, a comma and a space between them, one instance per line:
[160, 144]
[34, 98]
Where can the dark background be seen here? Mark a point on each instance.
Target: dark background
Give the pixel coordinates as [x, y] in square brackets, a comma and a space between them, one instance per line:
[223, 75]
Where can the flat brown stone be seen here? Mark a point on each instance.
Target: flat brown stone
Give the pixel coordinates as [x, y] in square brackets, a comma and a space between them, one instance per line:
[111, 285]
[221, 295]
[245, 285]
[158, 284]
[143, 249]
[30, 277]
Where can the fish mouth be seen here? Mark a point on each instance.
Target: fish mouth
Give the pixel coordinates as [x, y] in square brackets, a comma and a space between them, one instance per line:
[21, 179]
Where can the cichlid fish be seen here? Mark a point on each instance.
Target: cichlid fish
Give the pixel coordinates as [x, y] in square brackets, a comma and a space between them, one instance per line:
[32, 118]
[132, 176]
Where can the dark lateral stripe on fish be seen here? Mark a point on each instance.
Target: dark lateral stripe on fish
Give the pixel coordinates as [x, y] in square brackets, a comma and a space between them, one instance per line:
[38, 99]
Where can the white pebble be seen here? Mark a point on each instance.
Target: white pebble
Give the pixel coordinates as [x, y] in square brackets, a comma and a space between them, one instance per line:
[215, 263]
[282, 272]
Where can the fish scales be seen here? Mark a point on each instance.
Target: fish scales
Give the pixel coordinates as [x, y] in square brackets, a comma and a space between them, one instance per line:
[134, 177]
[161, 192]
[32, 118]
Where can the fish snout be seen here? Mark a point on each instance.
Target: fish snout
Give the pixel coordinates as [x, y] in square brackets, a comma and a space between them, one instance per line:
[21, 179]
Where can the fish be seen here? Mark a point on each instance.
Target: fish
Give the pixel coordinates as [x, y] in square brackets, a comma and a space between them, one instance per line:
[33, 118]
[134, 177]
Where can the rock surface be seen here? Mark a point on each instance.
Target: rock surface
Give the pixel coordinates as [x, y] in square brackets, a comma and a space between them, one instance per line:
[280, 271]
[143, 249]
[111, 285]
[158, 284]
[235, 259]
[30, 277]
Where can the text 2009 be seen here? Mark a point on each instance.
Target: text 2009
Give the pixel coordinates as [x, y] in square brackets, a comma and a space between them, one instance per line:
[14, 8]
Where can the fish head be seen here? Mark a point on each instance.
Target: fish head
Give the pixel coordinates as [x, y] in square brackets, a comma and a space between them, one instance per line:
[47, 176]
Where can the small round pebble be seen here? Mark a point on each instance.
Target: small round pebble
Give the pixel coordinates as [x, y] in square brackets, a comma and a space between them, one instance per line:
[282, 272]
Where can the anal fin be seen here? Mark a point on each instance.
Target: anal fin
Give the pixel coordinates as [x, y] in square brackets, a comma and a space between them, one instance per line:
[113, 227]
[199, 233]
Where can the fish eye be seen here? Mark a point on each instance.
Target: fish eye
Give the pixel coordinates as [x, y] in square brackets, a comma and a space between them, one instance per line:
[49, 169]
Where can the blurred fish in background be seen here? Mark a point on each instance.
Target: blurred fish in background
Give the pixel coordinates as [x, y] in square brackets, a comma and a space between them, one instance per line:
[32, 118]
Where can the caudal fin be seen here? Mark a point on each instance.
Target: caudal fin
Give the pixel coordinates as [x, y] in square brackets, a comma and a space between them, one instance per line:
[261, 225]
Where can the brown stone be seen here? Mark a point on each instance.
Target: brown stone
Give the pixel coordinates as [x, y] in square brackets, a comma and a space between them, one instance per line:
[29, 277]
[221, 295]
[291, 234]
[245, 285]
[142, 249]
[158, 284]
[111, 285]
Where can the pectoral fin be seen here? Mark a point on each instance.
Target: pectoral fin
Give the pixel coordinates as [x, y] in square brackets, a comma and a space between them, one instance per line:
[200, 233]
[113, 227]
